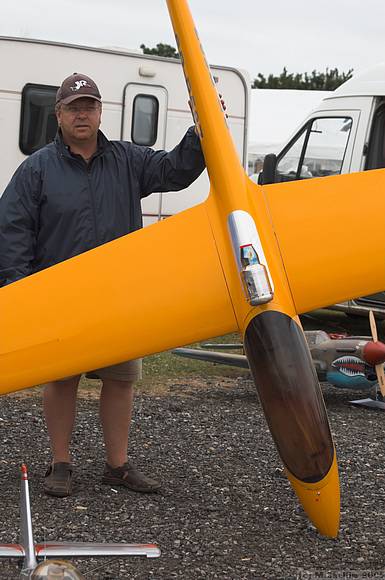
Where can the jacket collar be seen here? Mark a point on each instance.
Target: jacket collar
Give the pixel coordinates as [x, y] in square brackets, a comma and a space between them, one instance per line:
[103, 144]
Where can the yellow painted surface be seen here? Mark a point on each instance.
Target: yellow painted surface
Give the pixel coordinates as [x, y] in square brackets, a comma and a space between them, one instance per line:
[152, 290]
[321, 500]
[225, 171]
[331, 232]
[282, 300]
[231, 189]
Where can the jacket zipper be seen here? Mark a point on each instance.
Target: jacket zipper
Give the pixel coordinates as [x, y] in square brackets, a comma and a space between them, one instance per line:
[92, 202]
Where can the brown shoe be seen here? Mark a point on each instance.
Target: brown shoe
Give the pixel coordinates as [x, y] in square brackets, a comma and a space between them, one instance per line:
[130, 477]
[58, 479]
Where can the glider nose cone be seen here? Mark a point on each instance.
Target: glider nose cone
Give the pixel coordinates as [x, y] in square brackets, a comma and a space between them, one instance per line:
[374, 353]
[321, 500]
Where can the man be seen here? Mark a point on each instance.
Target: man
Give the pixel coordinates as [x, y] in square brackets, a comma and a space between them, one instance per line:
[72, 195]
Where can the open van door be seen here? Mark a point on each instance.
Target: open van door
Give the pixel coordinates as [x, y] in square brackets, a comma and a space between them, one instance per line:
[144, 123]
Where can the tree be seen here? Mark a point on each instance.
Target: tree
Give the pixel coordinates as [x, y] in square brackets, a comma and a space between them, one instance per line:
[316, 81]
[161, 50]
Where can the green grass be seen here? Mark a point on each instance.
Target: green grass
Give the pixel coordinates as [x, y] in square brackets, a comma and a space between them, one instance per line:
[165, 365]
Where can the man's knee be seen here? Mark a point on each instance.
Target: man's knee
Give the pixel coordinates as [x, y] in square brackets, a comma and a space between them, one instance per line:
[126, 384]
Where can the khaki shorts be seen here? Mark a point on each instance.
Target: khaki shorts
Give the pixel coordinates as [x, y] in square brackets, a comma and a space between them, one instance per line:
[129, 371]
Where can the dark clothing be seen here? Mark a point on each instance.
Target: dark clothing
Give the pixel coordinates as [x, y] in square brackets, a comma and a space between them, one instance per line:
[57, 206]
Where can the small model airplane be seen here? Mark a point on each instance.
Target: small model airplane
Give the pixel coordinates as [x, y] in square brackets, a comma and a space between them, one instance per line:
[57, 569]
[248, 259]
[345, 362]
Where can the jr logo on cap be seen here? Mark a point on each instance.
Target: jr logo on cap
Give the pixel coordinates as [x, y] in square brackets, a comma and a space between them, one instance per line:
[79, 84]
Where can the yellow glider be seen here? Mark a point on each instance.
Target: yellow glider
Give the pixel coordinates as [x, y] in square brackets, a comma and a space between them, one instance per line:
[195, 276]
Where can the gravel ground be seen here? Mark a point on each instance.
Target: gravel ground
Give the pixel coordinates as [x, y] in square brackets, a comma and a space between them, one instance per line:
[225, 511]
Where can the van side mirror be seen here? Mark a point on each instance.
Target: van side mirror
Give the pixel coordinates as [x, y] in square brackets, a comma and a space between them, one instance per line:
[268, 173]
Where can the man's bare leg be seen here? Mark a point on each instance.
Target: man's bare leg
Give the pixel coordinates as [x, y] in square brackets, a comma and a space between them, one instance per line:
[115, 413]
[60, 411]
[116, 402]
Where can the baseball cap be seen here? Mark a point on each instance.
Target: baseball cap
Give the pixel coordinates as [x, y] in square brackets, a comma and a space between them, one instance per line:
[75, 86]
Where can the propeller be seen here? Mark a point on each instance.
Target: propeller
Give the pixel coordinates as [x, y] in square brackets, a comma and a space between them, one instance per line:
[379, 368]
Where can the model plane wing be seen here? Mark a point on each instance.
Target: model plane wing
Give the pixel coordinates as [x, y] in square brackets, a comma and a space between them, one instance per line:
[331, 251]
[222, 358]
[155, 289]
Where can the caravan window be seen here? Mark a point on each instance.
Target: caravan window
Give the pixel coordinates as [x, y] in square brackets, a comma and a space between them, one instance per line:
[318, 151]
[145, 113]
[38, 120]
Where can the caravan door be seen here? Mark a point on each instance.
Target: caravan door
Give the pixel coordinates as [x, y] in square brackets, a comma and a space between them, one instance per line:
[144, 123]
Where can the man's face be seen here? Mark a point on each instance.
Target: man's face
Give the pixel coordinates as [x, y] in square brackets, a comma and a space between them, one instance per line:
[80, 120]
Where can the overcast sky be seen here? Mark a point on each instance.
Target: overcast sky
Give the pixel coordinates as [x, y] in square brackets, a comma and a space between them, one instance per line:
[254, 35]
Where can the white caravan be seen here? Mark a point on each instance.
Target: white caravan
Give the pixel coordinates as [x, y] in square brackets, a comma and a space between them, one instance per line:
[145, 101]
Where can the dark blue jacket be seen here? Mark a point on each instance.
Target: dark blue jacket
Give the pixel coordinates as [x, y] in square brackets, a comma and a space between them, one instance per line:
[56, 206]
